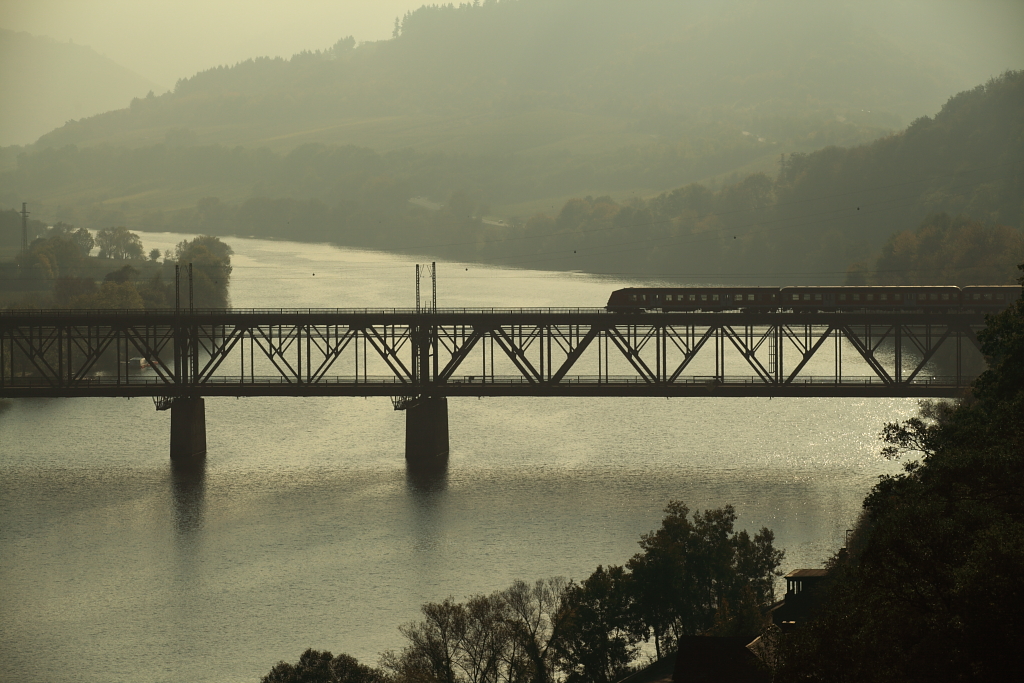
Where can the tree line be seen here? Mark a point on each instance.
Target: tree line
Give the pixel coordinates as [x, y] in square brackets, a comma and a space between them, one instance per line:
[58, 271]
[695, 574]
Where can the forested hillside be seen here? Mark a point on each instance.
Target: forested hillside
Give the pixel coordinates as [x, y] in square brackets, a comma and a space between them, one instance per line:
[818, 214]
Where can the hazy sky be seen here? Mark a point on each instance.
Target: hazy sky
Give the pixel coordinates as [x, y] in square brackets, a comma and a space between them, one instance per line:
[165, 41]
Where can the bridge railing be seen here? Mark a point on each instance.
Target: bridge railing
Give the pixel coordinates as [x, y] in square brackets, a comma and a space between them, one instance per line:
[163, 312]
[578, 310]
[470, 381]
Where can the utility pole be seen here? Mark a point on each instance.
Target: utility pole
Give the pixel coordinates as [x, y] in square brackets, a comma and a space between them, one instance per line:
[24, 227]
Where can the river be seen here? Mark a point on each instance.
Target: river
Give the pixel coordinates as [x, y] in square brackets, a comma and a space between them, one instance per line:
[306, 531]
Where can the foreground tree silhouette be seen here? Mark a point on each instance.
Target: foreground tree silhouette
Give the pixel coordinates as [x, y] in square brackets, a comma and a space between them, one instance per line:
[931, 589]
[596, 645]
[691, 571]
[321, 667]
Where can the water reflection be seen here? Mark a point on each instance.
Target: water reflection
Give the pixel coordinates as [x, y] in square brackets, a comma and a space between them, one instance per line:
[427, 476]
[188, 489]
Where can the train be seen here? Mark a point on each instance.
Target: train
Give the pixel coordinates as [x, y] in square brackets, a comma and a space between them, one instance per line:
[986, 298]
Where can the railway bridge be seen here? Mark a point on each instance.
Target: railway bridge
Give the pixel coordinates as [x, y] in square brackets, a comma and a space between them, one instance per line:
[421, 357]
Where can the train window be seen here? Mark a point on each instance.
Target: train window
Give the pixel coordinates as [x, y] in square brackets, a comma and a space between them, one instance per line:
[738, 297]
[999, 296]
[693, 297]
[842, 297]
[668, 297]
[945, 296]
[856, 297]
[883, 297]
[750, 297]
[703, 297]
[934, 296]
[976, 296]
[807, 297]
[643, 297]
[632, 297]
[714, 297]
[897, 296]
[773, 297]
[796, 297]
[817, 297]
[988, 296]
[870, 297]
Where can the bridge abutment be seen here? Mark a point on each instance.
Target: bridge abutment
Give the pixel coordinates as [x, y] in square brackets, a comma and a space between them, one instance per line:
[426, 431]
[188, 429]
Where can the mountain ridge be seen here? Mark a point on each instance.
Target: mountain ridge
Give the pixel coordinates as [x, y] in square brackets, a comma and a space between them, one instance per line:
[47, 83]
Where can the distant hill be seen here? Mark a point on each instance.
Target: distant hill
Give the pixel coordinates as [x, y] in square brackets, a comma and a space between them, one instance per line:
[44, 84]
[821, 212]
[546, 76]
[529, 102]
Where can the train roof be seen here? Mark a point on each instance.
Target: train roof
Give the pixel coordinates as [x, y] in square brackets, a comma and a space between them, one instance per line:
[626, 289]
[870, 287]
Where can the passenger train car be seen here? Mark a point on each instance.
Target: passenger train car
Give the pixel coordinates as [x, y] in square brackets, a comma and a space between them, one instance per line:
[809, 299]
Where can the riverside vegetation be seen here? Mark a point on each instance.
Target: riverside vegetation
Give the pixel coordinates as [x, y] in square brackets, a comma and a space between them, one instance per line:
[57, 271]
[694, 574]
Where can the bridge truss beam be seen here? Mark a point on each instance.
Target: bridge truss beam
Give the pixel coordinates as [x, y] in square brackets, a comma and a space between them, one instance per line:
[484, 353]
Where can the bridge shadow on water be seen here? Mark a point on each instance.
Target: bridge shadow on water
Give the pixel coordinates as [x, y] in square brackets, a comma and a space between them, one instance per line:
[188, 494]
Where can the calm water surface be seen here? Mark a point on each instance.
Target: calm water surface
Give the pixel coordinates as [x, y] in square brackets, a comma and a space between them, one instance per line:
[305, 530]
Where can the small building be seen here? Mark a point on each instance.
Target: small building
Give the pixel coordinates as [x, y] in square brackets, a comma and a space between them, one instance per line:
[804, 592]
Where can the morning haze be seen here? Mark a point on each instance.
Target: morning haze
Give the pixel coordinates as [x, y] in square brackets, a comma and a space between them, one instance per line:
[221, 206]
[687, 121]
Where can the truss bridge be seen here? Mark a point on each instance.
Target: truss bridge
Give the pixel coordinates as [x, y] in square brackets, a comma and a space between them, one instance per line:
[421, 357]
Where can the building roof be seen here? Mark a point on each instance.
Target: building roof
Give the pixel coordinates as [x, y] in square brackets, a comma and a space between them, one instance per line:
[806, 573]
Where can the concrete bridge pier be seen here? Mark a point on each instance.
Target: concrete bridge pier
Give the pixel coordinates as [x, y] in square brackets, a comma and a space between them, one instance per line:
[188, 428]
[426, 431]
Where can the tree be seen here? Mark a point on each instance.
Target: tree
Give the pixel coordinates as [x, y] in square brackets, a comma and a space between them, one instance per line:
[691, 572]
[536, 621]
[321, 667]
[118, 243]
[211, 269]
[509, 636]
[82, 237]
[125, 273]
[595, 645]
[113, 295]
[434, 643]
